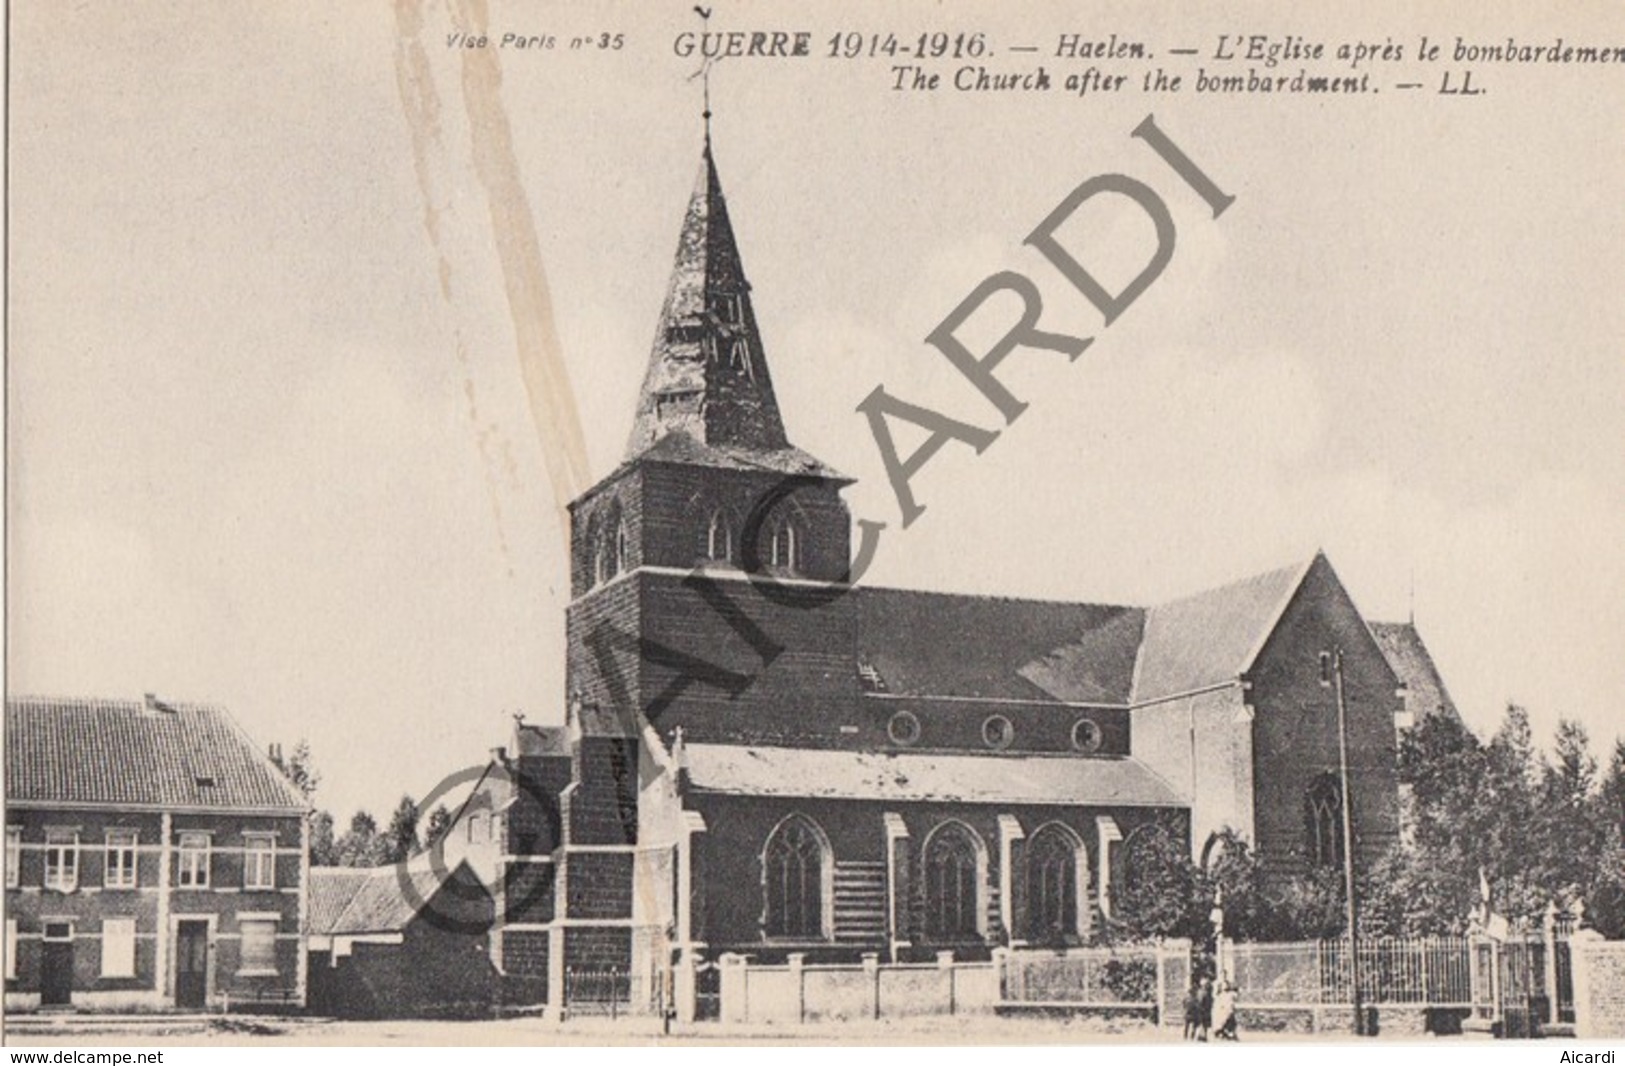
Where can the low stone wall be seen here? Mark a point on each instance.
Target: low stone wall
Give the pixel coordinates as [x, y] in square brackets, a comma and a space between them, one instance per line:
[1599, 985]
[798, 993]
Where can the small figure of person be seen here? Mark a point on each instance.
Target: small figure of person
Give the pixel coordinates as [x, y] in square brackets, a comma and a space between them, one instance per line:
[1224, 1010]
[1204, 1010]
[1193, 1008]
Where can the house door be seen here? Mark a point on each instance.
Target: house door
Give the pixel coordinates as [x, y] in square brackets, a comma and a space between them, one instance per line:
[191, 964]
[56, 965]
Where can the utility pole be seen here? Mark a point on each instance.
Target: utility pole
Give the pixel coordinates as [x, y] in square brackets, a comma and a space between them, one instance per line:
[1352, 910]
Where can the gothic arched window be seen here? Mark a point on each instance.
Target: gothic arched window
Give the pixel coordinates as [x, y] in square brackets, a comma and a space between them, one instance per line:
[785, 546]
[622, 555]
[953, 879]
[599, 547]
[1324, 815]
[719, 538]
[1052, 883]
[795, 867]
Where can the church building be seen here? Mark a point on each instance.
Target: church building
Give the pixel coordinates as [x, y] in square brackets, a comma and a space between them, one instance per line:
[765, 759]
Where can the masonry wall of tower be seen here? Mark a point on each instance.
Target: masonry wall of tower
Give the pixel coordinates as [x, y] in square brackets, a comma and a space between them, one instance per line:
[677, 502]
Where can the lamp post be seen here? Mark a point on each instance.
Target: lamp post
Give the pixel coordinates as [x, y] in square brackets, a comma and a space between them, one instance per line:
[1352, 910]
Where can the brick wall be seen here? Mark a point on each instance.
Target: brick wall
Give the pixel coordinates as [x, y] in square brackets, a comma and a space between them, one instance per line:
[604, 806]
[598, 884]
[529, 888]
[598, 949]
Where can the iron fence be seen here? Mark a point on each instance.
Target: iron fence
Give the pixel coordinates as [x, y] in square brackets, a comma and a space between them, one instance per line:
[597, 991]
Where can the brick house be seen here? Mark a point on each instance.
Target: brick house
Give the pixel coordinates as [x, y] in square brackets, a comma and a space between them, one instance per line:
[761, 758]
[155, 859]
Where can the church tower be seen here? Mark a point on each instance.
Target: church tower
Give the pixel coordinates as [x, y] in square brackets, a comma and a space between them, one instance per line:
[708, 463]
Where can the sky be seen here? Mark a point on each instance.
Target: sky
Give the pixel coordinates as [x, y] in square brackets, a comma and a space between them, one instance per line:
[314, 320]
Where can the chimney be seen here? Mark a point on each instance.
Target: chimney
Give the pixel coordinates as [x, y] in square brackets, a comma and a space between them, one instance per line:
[499, 754]
[154, 705]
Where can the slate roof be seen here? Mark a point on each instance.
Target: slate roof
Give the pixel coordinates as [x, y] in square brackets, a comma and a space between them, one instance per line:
[1209, 638]
[134, 753]
[923, 777]
[988, 647]
[1402, 646]
[678, 446]
[352, 900]
[707, 372]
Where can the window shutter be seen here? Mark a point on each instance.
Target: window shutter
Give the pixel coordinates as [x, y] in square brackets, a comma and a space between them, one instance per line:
[118, 947]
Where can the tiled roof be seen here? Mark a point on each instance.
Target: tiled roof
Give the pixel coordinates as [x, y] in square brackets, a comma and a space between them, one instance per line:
[923, 777]
[1402, 646]
[377, 899]
[985, 647]
[134, 753]
[331, 890]
[1208, 638]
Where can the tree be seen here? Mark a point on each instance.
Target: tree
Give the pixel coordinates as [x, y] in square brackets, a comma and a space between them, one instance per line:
[401, 838]
[297, 767]
[1159, 893]
[361, 845]
[1605, 900]
[438, 826]
[1571, 835]
[323, 850]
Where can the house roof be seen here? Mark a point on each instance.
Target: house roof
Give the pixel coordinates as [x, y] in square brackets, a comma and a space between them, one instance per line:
[1211, 637]
[1402, 646]
[988, 647]
[376, 899]
[925, 777]
[134, 753]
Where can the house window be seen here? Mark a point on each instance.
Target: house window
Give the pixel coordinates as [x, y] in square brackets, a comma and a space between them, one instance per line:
[719, 538]
[62, 859]
[794, 866]
[118, 947]
[119, 871]
[259, 861]
[1324, 813]
[259, 948]
[1052, 884]
[14, 856]
[952, 884]
[784, 548]
[11, 949]
[194, 861]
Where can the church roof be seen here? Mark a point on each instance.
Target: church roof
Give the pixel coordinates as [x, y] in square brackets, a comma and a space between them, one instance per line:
[135, 753]
[1402, 646]
[923, 777]
[987, 647]
[677, 446]
[1211, 637]
[708, 374]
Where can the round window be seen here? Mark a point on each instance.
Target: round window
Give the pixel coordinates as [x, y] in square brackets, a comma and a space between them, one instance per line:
[904, 728]
[997, 731]
[1086, 735]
